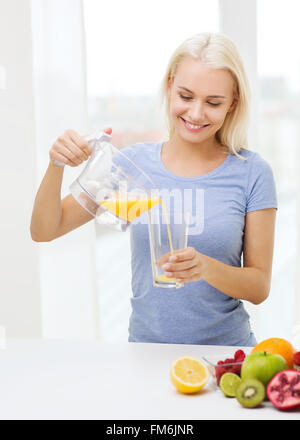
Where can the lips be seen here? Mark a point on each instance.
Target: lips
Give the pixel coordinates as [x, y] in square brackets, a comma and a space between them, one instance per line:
[193, 128]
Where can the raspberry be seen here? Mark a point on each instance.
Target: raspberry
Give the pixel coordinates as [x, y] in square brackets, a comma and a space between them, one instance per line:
[224, 367]
[236, 369]
[239, 356]
[219, 372]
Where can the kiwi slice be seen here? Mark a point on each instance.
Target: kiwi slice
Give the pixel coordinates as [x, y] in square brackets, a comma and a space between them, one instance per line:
[250, 393]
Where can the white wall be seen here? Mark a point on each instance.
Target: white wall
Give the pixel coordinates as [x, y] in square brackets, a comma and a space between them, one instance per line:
[68, 271]
[46, 290]
[20, 296]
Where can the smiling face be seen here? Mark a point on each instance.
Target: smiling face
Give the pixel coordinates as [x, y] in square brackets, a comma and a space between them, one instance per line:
[200, 98]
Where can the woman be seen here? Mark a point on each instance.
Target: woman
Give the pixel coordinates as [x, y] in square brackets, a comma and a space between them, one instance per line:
[206, 92]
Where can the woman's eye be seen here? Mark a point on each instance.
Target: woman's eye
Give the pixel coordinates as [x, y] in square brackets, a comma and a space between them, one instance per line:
[186, 98]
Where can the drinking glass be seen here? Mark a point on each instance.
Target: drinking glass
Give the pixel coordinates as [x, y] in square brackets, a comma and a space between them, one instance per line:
[167, 233]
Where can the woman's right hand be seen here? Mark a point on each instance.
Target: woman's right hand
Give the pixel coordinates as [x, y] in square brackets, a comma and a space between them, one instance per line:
[71, 148]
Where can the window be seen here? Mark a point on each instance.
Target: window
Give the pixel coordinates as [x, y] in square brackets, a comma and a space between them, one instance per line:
[279, 76]
[128, 47]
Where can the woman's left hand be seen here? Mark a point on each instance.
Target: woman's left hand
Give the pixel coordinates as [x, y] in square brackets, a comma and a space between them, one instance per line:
[185, 265]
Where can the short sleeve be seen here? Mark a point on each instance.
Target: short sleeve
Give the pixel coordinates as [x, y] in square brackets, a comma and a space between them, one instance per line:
[261, 190]
[125, 157]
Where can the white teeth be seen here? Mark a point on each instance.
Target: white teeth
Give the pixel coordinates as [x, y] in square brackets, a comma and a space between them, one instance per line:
[195, 127]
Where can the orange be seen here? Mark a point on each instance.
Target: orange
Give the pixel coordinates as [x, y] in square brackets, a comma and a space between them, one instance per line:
[277, 346]
[188, 374]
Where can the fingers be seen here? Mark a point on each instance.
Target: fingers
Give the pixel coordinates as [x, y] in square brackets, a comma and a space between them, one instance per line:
[182, 265]
[62, 159]
[164, 259]
[71, 149]
[184, 254]
[81, 143]
[185, 272]
[178, 267]
[177, 256]
[62, 154]
[187, 275]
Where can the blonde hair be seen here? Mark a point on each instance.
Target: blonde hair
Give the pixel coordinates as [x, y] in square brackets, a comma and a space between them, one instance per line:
[218, 52]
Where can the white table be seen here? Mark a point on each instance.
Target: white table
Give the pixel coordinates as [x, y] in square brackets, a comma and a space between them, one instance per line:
[45, 379]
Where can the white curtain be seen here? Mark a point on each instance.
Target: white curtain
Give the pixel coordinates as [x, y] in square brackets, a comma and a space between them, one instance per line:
[68, 282]
[20, 302]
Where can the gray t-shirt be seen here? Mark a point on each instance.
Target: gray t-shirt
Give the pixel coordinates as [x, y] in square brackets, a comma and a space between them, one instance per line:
[218, 201]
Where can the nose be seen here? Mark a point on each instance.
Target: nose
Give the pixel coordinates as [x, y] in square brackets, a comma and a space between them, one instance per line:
[196, 112]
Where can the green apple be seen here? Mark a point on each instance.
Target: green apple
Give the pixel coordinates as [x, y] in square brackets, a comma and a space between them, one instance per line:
[262, 366]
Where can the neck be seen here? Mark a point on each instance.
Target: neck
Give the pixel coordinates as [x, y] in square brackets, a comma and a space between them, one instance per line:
[205, 150]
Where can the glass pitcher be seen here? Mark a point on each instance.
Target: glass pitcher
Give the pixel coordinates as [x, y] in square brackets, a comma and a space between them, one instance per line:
[112, 187]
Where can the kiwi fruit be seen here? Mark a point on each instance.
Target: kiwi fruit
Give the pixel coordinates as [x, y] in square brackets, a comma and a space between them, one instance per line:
[250, 393]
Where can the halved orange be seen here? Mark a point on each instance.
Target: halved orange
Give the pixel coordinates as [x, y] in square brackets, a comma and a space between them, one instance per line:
[188, 374]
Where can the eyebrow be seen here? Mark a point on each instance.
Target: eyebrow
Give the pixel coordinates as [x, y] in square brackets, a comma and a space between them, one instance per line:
[210, 96]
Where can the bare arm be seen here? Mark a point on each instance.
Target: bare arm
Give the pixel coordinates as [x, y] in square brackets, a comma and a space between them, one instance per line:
[252, 281]
[51, 216]
[47, 210]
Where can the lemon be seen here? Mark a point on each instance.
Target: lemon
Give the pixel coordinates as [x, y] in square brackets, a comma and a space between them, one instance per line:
[188, 374]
